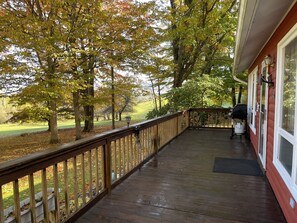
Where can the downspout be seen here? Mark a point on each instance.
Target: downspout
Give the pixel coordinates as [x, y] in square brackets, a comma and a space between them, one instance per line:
[238, 49]
[238, 80]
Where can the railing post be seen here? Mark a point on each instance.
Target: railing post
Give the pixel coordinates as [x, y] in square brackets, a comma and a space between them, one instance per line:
[107, 165]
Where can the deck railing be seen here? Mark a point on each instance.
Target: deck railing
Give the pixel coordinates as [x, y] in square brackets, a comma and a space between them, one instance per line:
[58, 185]
[210, 118]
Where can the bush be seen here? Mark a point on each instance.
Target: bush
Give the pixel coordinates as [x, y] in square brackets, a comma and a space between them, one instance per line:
[157, 112]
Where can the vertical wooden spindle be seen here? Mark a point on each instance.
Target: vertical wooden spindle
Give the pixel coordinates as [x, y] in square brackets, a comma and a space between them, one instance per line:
[32, 197]
[115, 168]
[124, 156]
[119, 155]
[129, 153]
[107, 166]
[132, 152]
[1, 206]
[44, 195]
[16, 196]
[75, 186]
[90, 175]
[83, 175]
[66, 190]
[56, 192]
[101, 169]
[97, 170]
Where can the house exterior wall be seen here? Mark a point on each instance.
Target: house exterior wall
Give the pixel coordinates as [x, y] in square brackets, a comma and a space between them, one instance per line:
[279, 187]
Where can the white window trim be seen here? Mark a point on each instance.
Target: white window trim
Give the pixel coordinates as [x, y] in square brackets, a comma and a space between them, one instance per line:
[252, 95]
[290, 181]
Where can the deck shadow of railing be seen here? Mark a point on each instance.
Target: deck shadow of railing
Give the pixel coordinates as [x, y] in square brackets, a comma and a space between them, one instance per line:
[83, 172]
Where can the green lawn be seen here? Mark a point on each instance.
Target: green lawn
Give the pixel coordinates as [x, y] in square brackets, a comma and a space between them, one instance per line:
[139, 112]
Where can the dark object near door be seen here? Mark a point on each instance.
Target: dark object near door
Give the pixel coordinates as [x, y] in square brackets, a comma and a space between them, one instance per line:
[239, 118]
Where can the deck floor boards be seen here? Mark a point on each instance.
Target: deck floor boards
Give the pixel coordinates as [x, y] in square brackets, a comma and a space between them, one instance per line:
[180, 186]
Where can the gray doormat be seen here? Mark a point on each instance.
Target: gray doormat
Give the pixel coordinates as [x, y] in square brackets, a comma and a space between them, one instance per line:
[237, 166]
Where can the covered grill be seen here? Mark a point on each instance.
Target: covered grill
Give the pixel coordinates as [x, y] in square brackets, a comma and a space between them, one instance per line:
[239, 117]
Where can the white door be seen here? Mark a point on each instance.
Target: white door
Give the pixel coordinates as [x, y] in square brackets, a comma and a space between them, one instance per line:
[263, 118]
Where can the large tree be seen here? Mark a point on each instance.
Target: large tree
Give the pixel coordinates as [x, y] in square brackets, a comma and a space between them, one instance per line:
[32, 39]
[198, 31]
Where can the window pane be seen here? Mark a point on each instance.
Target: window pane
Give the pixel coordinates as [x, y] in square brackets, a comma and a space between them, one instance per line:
[286, 154]
[289, 87]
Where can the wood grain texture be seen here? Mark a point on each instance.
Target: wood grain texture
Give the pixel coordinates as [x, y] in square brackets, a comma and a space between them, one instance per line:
[178, 185]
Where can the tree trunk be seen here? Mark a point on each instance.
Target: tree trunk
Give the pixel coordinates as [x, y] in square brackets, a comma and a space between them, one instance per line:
[112, 99]
[89, 108]
[239, 94]
[154, 93]
[159, 95]
[76, 115]
[89, 118]
[54, 137]
[233, 96]
[53, 119]
[49, 125]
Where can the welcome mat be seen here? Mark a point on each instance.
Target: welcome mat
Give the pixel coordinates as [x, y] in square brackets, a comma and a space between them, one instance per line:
[237, 166]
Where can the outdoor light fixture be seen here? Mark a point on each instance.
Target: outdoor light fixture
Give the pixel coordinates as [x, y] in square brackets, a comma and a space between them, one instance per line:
[266, 81]
[128, 120]
[269, 61]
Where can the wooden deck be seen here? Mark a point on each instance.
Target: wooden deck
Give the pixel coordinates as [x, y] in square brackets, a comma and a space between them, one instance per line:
[179, 186]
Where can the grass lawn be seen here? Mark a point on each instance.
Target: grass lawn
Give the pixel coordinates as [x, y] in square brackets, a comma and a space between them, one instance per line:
[138, 114]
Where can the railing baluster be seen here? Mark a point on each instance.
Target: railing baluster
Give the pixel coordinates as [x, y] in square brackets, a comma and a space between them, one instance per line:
[32, 197]
[115, 160]
[75, 186]
[97, 170]
[107, 166]
[83, 178]
[143, 149]
[16, 196]
[1, 206]
[124, 156]
[56, 192]
[66, 189]
[44, 195]
[119, 155]
[90, 175]
[101, 169]
[128, 154]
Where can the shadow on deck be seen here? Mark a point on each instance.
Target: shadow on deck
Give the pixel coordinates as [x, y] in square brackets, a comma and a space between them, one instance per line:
[180, 186]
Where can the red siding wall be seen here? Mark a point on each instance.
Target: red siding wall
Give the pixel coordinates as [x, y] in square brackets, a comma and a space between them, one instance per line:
[281, 191]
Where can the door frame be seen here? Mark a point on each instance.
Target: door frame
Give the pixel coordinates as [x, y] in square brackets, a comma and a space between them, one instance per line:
[264, 72]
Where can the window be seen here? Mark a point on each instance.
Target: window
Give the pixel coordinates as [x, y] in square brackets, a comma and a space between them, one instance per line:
[285, 144]
[252, 102]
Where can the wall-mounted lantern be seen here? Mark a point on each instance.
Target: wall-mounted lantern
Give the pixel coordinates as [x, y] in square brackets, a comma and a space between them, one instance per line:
[128, 120]
[269, 62]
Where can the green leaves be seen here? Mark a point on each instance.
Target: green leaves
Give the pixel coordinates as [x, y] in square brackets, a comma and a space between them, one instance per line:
[205, 91]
